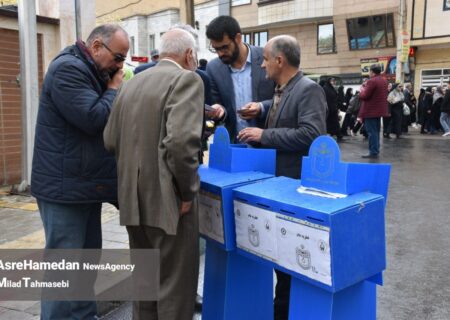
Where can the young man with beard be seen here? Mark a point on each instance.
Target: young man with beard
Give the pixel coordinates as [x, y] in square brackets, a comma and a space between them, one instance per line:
[238, 83]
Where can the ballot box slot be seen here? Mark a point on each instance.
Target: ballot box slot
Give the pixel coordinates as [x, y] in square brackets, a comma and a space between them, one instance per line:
[263, 205]
[314, 219]
[288, 212]
[241, 200]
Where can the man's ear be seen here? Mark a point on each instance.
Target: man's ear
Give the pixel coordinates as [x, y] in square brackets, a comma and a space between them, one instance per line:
[238, 38]
[96, 45]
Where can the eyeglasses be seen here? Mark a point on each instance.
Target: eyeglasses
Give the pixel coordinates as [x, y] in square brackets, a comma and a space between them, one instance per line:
[118, 57]
[220, 49]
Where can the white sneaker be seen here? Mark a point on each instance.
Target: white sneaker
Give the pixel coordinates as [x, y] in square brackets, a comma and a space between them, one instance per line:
[446, 134]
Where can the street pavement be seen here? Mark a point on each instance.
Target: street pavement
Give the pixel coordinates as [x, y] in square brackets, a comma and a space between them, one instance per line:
[416, 282]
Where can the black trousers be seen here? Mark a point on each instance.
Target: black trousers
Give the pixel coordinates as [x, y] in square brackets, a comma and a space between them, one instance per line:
[396, 119]
[282, 293]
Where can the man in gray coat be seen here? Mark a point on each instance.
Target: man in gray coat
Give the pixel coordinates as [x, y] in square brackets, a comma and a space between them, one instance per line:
[296, 117]
[155, 132]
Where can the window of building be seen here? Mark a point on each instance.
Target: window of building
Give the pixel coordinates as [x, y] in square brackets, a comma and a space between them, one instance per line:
[151, 42]
[371, 32]
[263, 2]
[446, 4]
[247, 37]
[235, 3]
[434, 77]
[325, 39]
[132, 46]
[260, 38]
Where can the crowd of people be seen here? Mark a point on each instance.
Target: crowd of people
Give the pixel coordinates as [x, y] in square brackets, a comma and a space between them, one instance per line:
[395, 103]
[137, 144]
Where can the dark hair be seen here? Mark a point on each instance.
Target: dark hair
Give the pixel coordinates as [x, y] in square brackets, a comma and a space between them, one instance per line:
[429, 89]
[322, 82]
[221, 26]
[289, 47]
[104, 32]
[375, 68]
[349, 91]
[202, 62]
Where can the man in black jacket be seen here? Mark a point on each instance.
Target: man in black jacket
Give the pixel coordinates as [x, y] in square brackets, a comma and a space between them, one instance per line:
[72, 172]
[333, 127]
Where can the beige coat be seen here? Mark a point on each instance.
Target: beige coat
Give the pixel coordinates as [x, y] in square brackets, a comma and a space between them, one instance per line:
[155, 132]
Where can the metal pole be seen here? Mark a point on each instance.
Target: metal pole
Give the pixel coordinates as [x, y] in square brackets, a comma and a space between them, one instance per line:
[190, 15]
[78, 19]
[28, 83]
[399, 75]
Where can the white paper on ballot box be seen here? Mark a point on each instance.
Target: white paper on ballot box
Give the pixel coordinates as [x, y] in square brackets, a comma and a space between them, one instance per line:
[255, 230]
[304, 247]
[210, 216]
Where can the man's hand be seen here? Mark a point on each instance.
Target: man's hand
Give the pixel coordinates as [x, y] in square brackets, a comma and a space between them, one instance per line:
[116, 81]
[216, 113]
[185, 207]
[250, 111]
[250, 135]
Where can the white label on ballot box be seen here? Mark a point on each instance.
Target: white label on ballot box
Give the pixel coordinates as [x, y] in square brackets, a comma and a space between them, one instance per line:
[255, 230]
[304, 247]
[210, 216]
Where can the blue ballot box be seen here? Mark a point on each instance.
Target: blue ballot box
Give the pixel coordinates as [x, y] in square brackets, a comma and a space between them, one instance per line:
[233, 284]
[327, 231]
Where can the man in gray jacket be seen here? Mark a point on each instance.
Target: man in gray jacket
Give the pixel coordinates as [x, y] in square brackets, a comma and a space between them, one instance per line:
[296, 117]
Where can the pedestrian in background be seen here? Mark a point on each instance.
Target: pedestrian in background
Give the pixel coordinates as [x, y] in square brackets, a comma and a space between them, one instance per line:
[427, 107]
[347, 123]
[420, 106]
[72, 172]
[438, 98]
[445, 112]
[396, 100]
[333, 127]
[374, 96]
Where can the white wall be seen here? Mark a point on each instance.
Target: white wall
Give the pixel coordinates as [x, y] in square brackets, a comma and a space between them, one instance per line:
[204, 13]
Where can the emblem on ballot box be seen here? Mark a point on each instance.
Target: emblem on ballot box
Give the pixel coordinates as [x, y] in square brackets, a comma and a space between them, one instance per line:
[303, 257]
[322, 161]
[253, 236]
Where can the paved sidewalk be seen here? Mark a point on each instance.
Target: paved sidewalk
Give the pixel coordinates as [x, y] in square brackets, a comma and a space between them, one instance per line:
[21, 228]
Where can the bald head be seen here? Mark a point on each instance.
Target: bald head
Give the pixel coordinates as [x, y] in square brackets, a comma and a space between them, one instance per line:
[286, 46]
[175, 42]
[179, 45]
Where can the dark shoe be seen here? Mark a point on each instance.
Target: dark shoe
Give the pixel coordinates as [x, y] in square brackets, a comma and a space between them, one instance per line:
[370, 156]
[387, 136]
[198, 303]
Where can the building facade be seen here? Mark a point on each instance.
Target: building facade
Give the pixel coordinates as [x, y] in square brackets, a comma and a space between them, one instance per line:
[429, 27]
[147, 21]
[337, 37]
[11, 123]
